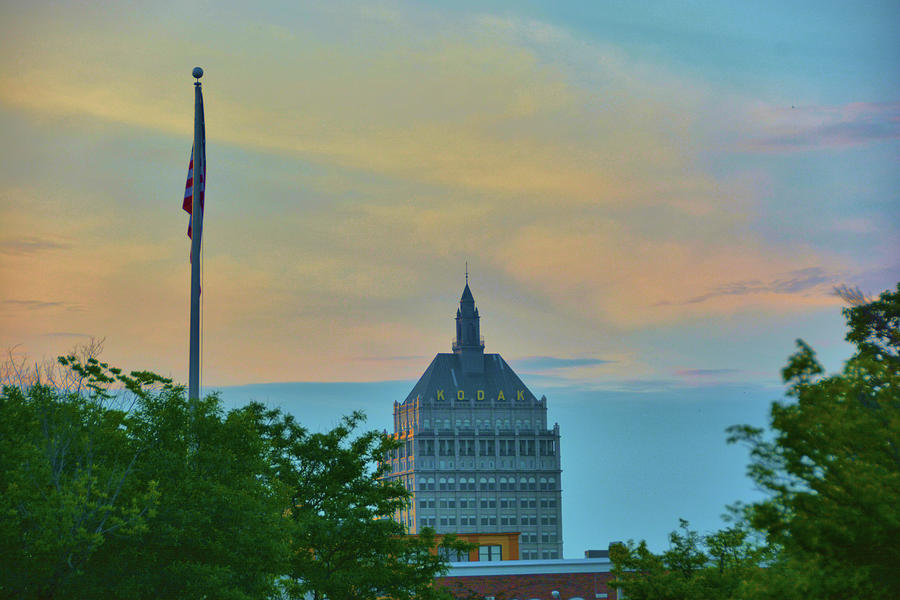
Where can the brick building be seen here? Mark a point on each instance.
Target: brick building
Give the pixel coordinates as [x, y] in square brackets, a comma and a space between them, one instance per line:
[573, 579]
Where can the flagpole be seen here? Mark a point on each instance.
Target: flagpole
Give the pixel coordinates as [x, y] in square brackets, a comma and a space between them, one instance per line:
[196, 237]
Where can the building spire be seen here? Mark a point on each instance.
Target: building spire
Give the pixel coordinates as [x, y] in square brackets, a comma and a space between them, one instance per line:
[467, 272]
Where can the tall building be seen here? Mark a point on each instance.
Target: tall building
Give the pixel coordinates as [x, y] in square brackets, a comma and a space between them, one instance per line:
[477, 453]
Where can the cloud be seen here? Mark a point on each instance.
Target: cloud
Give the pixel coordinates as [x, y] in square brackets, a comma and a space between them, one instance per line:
[543, 363]
[40, 305]
[705, 372]
[67, 334]
[800, 280]
[30, 245]
[815, 127]
[390, 358]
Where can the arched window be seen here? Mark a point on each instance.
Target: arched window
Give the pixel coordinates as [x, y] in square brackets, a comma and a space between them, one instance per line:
[531, 483]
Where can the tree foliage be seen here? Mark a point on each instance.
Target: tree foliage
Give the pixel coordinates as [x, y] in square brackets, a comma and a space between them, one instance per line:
[344, 545]
[831, 466]
[713, 566]
[116, 485]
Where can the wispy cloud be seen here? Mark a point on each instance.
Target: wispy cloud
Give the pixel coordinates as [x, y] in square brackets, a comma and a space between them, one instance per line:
[67, 334]
[542, 363]
[812, 127]
[30, 245]
[390, 358]
[40, 305]
[801, 280]
[705, 372]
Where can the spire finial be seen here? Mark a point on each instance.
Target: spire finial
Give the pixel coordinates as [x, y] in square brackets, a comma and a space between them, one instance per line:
[467, 272]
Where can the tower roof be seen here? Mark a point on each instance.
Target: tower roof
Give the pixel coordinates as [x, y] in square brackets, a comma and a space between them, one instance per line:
[467, 294]
[446, 373]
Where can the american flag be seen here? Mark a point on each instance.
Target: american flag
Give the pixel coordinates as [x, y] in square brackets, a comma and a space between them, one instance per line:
[188, 203]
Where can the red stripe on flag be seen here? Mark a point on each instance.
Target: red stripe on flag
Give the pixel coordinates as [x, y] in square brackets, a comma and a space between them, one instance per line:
[188, 203]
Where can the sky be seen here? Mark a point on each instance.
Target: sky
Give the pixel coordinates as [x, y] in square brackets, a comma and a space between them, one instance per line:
[654, 199]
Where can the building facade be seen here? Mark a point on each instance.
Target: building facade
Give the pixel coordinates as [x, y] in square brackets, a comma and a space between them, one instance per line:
[476, 451]
[572, 579]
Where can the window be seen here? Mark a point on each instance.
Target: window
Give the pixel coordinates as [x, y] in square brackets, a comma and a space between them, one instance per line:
[426, 447]
[486, 447]
[547, 447]
[526, 447]
[531, 483]
[488, 521]
[467, 483]
[507, 502]
[454, 555]
[467, 447]
[507, 447]
[548, 502]
[447, 503]
[548, 483]
[468, 520]
[488, 503]
[507, 519]
[446, 484]
[447, 447]
[486, 553]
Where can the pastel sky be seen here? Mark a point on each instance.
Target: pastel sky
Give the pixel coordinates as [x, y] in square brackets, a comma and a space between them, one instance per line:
[651, 197]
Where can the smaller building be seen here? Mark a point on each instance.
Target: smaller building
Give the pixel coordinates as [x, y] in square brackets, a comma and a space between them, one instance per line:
[566, 579]
[488, 546]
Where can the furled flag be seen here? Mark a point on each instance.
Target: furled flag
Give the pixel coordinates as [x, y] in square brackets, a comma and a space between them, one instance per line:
[188, 203]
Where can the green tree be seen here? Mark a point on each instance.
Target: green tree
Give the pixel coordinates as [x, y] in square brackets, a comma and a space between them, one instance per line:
[117, 485]
[122, 488]
[344, 543]
[716, 566]
[832, 468]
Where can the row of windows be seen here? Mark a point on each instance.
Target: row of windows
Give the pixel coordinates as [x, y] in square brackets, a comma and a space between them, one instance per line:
[480, 424]
[490, 520]
[535, 555]
[545, 538]
[504, 502]
[488, 483]
[485, 448]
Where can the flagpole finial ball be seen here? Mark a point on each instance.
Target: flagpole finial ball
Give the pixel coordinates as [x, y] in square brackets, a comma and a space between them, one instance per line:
[198, 72]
